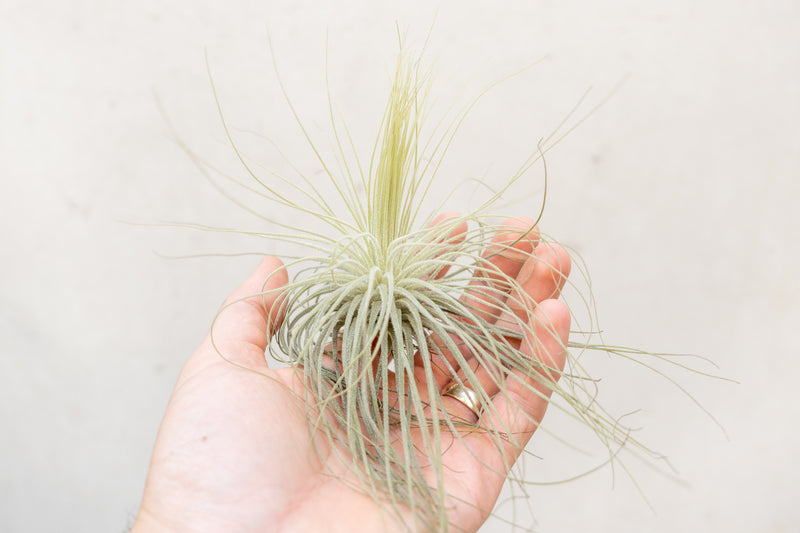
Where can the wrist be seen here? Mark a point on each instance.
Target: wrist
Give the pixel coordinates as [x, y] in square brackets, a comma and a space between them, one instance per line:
[147, 523]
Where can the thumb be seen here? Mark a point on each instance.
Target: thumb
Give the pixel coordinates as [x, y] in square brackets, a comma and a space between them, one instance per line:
[248, 318]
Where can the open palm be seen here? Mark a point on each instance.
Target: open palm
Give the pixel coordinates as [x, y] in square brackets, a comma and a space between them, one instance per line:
[234, 452]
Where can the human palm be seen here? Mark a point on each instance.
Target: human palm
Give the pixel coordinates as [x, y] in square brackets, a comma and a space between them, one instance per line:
[235, 453]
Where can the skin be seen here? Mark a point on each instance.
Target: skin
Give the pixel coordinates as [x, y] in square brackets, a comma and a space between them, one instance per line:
[234, 451]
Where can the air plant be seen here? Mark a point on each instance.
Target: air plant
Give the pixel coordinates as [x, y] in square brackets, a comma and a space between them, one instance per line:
[389, 294]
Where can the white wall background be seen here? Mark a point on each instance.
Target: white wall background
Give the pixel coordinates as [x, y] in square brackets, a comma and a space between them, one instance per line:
[680, 193]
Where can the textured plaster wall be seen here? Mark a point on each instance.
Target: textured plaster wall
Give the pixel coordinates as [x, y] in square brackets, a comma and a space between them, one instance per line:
[680, 194]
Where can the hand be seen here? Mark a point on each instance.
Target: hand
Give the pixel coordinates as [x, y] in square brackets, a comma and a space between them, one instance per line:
[234, 452]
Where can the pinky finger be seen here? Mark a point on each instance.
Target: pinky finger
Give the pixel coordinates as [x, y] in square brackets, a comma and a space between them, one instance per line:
[520, 407]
